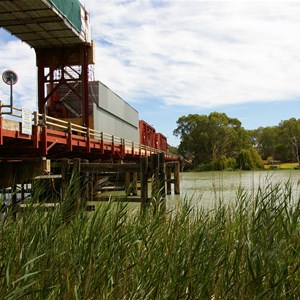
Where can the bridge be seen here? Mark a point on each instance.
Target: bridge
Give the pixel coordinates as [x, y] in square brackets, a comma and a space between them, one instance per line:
[59, 32]
[40, 135]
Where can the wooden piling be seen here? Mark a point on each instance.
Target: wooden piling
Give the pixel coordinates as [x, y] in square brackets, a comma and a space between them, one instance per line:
[160, 171]
[131, 183]
[154, 172]
[161, 166]
[168, 178]
[158, 180]
[85, 194]
[177, 178]
[65, 178]
[127, 182]
[162, 181]
[91, 186]
[78, 180]
[144, 182]
[14, 206]
[77, 183]
[134, 183]
[173, 167]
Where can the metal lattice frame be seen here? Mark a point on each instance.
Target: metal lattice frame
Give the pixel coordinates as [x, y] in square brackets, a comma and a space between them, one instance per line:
[63, 66]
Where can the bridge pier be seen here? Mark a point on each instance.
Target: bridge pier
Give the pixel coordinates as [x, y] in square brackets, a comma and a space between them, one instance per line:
[118, 181]
[158, 180]
[20, 171]
[173, 167]
[78, 181]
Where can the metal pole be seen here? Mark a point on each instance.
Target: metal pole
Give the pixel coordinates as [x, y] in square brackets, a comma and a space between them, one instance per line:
[11, 96]
[85, 87]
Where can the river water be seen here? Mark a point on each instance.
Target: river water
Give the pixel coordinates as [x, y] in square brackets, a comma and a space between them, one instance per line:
[207, 188]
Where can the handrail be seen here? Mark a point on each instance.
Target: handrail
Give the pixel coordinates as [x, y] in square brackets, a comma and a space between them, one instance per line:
[48, 121]
[12, 108]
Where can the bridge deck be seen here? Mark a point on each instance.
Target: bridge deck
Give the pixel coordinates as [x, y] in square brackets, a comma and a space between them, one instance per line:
[54, 138]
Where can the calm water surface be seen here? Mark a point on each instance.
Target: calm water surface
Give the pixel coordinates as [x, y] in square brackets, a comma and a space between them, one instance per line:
[205, 188]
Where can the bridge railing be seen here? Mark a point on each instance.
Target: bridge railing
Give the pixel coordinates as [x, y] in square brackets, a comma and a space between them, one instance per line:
[7, 109]
[130, 146]
[51, 123]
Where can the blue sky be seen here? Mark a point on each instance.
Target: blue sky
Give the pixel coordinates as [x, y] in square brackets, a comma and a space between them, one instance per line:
[171, 58]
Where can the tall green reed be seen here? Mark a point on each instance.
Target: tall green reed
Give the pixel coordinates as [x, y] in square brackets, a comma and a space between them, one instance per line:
[249, 250]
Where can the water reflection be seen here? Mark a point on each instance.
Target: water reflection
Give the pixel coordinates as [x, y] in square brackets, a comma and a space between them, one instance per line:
[205, 188]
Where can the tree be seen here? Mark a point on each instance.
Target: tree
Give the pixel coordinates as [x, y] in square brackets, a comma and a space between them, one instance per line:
[208, 138]
[188, 128]
[256, 159]
[268, 141]
[244, 160]
[249, 159]
[290, 134]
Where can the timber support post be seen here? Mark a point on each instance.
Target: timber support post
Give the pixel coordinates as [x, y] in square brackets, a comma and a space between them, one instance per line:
[177, 178]
[127, 182]
[65, 178]
[131, 183]
[168, 178]
[72, 191]
[76, 177]
[175, 168]
[134, 182]
[161, 180]
[85, 184]
[158, 179]
[144, 182]
[14, 206]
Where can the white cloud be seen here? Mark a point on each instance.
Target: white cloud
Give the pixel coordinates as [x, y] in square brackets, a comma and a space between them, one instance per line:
[198, 53]
[192, 53]
[20, 58]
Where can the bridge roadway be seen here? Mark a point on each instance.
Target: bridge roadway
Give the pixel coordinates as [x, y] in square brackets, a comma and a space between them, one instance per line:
[54, 139]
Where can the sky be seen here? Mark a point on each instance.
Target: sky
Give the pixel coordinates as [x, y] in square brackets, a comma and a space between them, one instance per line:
[171, 58]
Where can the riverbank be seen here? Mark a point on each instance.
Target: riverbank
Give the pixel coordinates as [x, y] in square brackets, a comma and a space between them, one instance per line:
[282, 166]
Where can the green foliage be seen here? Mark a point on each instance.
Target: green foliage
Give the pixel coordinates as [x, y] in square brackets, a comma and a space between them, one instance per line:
[202, 168]
[204, 140]
[244, 160]
[282, 142]
[269, 160]
[231, 163]
[267, 141]
[250, 250]
[256, 159]
[173, 150]
[223, 163]
[218, 164]
[208, 138]
[249, 159]
[290, 134]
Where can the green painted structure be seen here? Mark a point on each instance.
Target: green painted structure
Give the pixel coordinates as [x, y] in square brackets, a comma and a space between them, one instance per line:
[71, 10]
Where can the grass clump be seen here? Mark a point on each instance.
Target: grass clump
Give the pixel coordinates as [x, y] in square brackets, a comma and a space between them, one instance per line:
[250, 250]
